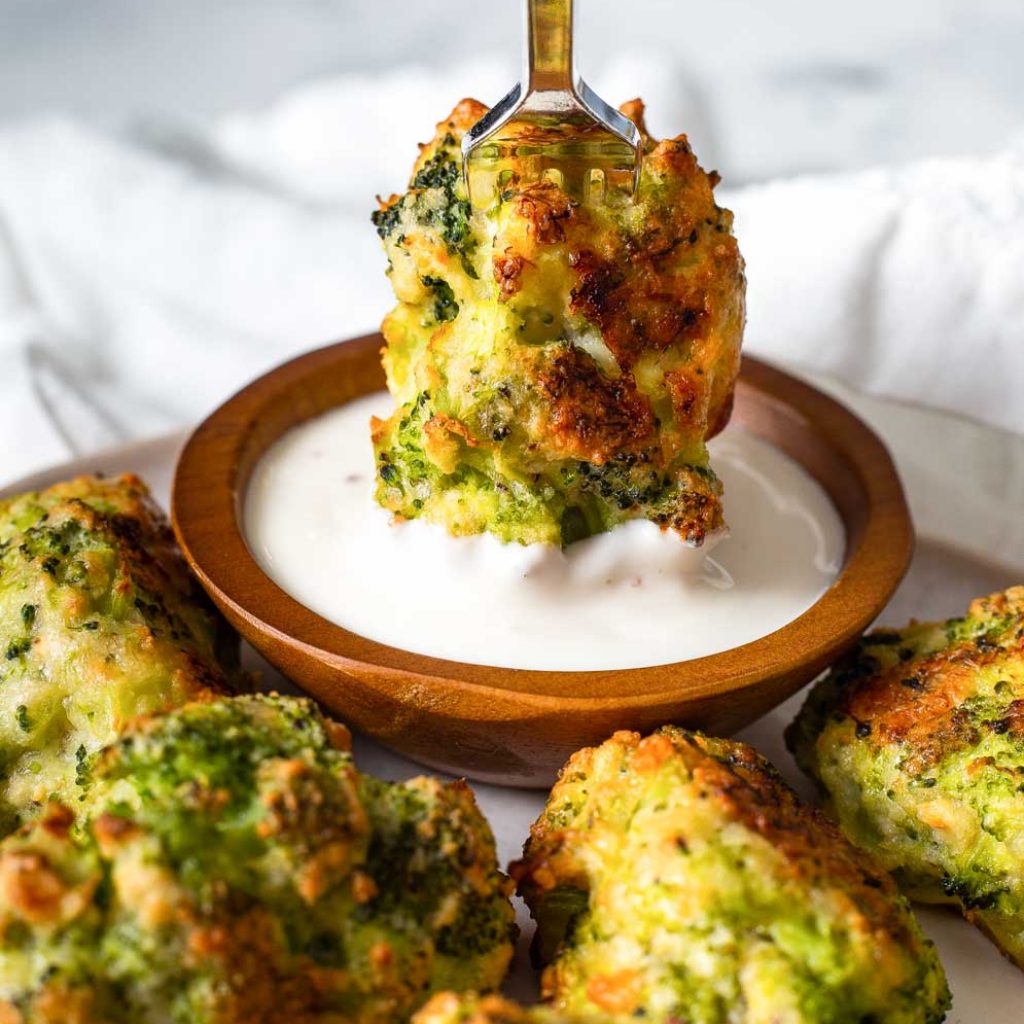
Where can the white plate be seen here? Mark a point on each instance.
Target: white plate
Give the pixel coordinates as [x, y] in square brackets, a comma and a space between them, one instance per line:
[986, 988]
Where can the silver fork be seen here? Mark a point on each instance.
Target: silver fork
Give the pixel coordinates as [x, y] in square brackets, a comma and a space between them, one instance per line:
[552, 124]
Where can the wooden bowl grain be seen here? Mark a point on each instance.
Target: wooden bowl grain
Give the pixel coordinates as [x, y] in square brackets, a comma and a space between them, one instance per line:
[510, 726]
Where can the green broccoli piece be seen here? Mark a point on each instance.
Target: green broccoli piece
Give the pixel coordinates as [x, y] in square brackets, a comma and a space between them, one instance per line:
[236, 866]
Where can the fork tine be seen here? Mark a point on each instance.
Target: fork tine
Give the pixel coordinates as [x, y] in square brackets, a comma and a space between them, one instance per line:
[552, 122]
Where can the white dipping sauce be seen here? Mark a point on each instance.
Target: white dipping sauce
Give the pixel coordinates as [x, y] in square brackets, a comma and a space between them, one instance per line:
[633, 597]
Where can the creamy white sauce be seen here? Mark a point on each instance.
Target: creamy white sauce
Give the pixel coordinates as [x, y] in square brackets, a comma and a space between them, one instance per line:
[633, 597]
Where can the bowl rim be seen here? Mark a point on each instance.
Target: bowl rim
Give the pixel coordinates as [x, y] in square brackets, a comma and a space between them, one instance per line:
[207, 492]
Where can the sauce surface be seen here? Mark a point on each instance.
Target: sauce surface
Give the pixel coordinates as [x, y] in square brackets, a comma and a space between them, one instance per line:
[630, 598]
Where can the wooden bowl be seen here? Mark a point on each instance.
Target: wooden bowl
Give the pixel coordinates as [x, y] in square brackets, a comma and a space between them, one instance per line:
[510, 726]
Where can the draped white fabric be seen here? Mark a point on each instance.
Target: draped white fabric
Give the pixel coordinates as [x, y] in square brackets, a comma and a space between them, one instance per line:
[146, 274]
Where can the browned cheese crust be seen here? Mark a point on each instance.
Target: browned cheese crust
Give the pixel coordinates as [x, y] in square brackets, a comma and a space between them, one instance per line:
[546, 335]
[677, 877]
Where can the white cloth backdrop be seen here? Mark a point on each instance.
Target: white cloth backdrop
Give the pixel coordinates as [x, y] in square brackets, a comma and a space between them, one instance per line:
[147, 274]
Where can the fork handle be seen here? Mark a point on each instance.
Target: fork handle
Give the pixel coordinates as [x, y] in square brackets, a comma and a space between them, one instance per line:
[549, 52]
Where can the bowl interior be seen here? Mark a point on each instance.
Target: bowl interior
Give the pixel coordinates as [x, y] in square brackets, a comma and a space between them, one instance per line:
[830, 442]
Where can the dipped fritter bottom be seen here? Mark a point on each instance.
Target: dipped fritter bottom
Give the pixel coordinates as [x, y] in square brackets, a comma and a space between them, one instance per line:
[237, 868]
[918, 740]
[678, 878]
[100, 621]
[557, 367]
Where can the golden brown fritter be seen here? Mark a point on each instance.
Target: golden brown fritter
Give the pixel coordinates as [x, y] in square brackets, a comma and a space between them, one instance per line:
[235, 868]
[100, 621]
[557, 368]
[918, 740]
[677, 877]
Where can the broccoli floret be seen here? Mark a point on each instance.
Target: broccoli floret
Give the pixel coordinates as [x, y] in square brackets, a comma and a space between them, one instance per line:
[917, 740]
[99, 621]
[676, 877]
[436, 202]
[445, 306]
[236, 866]
[577, 357]
[386, 221]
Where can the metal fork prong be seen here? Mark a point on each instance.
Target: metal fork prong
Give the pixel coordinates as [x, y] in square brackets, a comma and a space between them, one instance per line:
[614, 120]
[550, 91]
